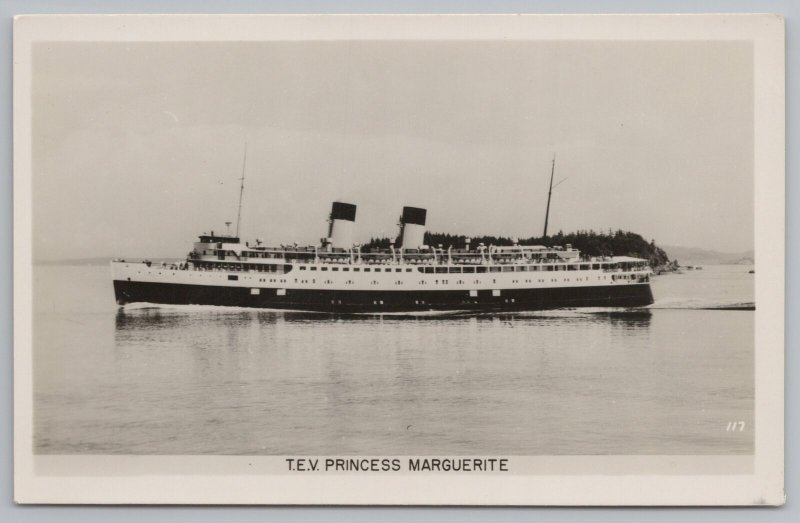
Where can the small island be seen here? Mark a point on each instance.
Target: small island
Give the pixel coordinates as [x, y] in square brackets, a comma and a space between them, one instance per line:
[590, 243]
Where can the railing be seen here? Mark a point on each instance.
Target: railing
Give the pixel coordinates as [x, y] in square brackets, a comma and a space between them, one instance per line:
[434, 256]
[529, 267]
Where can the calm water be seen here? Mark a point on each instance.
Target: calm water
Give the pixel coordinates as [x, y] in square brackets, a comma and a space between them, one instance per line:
[205, 380]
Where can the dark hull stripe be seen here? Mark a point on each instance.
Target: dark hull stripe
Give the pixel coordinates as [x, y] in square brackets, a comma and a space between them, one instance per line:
[623, 295]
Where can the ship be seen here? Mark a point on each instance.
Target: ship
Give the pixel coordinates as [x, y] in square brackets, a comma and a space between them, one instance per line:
[338, 276]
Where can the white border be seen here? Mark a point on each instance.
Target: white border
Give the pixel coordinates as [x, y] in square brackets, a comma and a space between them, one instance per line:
[150, 482]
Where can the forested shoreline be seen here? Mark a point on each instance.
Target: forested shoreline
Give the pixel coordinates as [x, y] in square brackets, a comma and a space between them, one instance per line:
[590, 243]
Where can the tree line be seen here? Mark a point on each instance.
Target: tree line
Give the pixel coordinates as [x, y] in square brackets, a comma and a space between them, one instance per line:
[590, 243]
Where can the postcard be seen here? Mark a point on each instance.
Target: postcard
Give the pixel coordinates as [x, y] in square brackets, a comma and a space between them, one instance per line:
[399, 259]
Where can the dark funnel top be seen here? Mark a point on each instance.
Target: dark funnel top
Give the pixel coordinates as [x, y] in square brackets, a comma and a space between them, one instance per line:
[343, 211]
[414, 215]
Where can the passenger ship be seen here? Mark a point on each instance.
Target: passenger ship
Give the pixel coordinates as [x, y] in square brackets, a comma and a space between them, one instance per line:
[338, 276]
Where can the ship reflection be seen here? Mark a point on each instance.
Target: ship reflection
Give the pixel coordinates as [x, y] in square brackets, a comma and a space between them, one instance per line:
[156, 318]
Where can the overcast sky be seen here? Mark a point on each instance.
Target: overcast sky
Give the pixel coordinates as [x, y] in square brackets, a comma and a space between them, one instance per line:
[138, 147]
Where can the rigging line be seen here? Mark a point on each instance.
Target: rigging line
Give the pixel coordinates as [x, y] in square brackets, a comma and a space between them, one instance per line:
[241, 190]
[549, 194]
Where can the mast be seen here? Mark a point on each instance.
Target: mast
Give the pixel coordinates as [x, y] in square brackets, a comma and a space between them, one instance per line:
[549, 194]
[241, 190]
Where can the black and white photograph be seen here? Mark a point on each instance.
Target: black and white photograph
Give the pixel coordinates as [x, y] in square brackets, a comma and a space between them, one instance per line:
[399, 259]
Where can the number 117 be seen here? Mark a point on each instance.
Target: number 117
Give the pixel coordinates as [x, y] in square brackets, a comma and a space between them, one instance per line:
[735, 426]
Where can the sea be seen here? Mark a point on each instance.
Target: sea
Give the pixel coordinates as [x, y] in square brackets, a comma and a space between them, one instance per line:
[196, 380]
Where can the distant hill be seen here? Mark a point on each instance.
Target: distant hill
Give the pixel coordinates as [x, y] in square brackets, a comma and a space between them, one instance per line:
[695, 256]
[100, 260]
